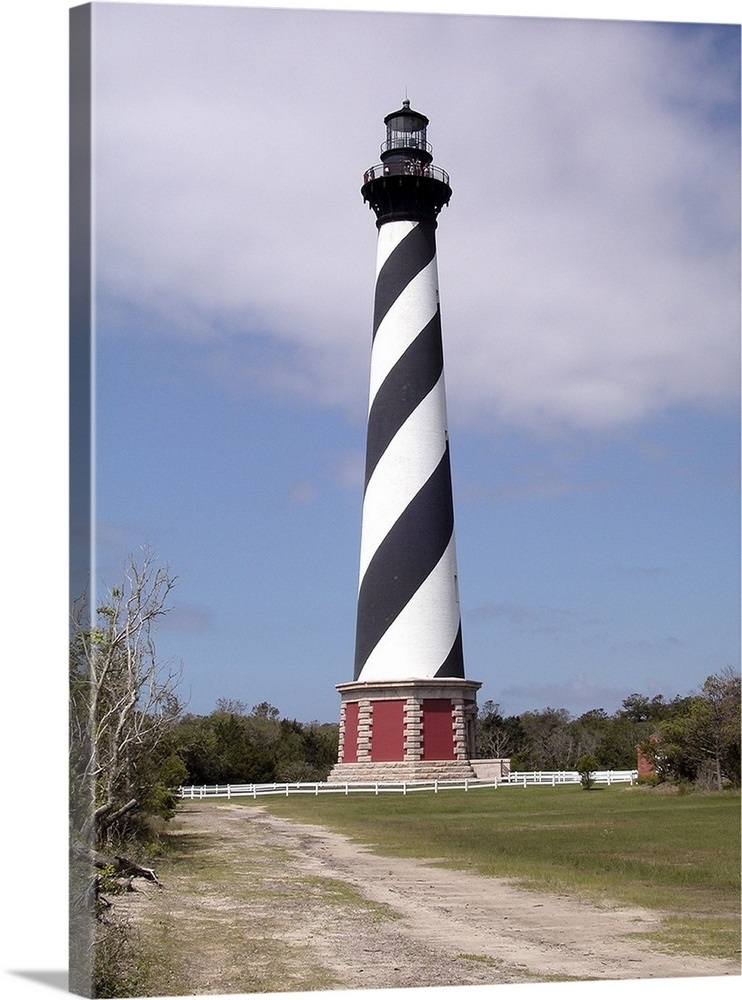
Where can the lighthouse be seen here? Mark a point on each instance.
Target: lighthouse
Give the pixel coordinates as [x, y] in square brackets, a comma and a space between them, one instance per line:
[409, 711]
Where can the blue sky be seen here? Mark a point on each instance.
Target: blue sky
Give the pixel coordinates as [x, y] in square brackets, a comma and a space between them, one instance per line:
[589, 267]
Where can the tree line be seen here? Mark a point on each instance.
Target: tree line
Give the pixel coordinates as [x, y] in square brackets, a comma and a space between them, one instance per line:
[236, 746]
[693, 738]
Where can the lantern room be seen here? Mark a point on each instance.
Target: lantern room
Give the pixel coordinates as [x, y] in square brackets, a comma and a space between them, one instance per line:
[406, 136]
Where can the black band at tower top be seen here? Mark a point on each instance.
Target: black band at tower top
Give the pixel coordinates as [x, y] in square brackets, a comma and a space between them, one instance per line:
[414, 193]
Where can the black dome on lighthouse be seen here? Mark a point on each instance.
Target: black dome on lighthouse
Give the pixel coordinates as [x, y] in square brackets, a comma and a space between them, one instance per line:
[407, 112]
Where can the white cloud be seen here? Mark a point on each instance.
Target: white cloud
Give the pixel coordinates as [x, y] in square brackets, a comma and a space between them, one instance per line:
[578, 692]
[303, 493]
[589, 258]
[349, 472]
[188, 618]
[537, 619]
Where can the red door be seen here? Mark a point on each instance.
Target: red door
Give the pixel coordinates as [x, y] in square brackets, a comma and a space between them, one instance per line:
[437, 729]
[387, 730]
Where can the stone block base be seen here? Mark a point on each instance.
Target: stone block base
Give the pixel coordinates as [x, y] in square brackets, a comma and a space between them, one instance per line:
[430, 770]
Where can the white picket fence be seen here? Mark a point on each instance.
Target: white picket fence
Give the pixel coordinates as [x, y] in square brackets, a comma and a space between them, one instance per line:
[516, 779]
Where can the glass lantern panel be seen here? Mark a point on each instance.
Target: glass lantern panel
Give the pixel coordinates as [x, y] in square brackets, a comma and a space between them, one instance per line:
[407, 124]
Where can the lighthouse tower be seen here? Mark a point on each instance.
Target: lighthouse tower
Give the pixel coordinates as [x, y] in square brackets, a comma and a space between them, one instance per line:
[409, 711]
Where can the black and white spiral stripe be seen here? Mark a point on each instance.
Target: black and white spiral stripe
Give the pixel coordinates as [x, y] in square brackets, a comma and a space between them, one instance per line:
[408, 622]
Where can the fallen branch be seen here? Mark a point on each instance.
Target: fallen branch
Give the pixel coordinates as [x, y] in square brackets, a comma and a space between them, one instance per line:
[128, 867]
[123, 869]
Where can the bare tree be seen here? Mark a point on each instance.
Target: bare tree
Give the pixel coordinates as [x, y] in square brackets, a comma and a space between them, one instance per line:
[550, 743]
[716, 725]
[231, 706]
[493, 738]
[122, 700]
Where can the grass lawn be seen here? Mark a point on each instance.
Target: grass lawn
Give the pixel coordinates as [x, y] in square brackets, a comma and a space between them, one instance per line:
[678, 854]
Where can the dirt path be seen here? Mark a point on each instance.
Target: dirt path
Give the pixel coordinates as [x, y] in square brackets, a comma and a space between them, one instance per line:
[259, 903]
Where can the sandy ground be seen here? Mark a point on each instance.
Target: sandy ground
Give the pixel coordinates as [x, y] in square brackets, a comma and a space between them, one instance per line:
[360, 920]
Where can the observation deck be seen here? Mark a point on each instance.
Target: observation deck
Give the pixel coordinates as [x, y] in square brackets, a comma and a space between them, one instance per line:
[411, 167]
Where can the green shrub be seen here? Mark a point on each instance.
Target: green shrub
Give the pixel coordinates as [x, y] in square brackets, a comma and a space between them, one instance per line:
[648, 780]
[587, 765]
[117, 964]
